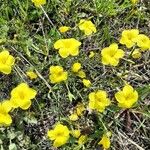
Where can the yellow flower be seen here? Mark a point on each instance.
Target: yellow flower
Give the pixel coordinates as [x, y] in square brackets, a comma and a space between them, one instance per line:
[73, 117]
[57, 74]
[134, 1]
[81, 74]
[76, 67]
[6, 62]
[38, 3]
[86, 82]
[75, 133]
[128, 37]
[31, 75]
[87, 26]
[82, 140]
[5, 118]
[105, 141]
[98, 100]
[67, 47]
[60, 135]
[143, 42]
[64, 29]
[111, 55]
[136, 54]
[127, 97]
[21, 96]
[79, 109]
[91, 54]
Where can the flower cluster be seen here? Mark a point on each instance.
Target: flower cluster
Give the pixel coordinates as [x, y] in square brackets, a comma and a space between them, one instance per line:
[20, 97]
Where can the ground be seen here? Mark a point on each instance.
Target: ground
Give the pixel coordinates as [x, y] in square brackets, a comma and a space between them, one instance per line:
[29, 35]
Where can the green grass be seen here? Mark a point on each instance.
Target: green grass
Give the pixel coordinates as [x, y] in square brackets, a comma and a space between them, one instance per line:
[29, 35]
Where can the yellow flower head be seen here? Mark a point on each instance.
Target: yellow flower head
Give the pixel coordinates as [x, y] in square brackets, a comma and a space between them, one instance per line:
[81, 74]
[87, 26]
[76, 67]
[128, 37]
[64, 29]
[143, 42]
[105, 141]
[86, 82]
[79, 109]
[6, 62]
[32, 75]
[111, 55]
[91, 54]
[73, 117]
[21, 96]
[75, 133]
[67, 47]
[98, 100]
[57, 74]
[38, 3]
[136, 54]
[5, 118]
[60, 135]
[127, 97]
[82, 140]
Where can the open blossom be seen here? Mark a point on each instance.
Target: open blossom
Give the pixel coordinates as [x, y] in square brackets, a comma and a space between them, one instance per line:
[21, 96]
[57, 74]
[60, 135]
[111, 55]
[64, 29]
[87, 26]
[143, 42]
[98, 100]
[67, 47]
[5, 118]
[127, 97]
[128, 37]
[105, 141]
[6, 62]
[38, 3]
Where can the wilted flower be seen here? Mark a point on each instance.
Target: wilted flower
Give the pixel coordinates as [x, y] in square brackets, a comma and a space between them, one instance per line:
[86, 82]
[64, 29]
[5, 118]
[136, 54]
[81, 74]
[82, 140]
[80, 108]
[21, 96]
[38, 3]
[75, 133]
[60, 135]
[127, 97]
[98, 100]
[32, 75]
[67, 47]
[143, 42]
[134, 1]
[87, 26]
[57, 74]
[111, 55]
[6, 62]
[128, 37]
